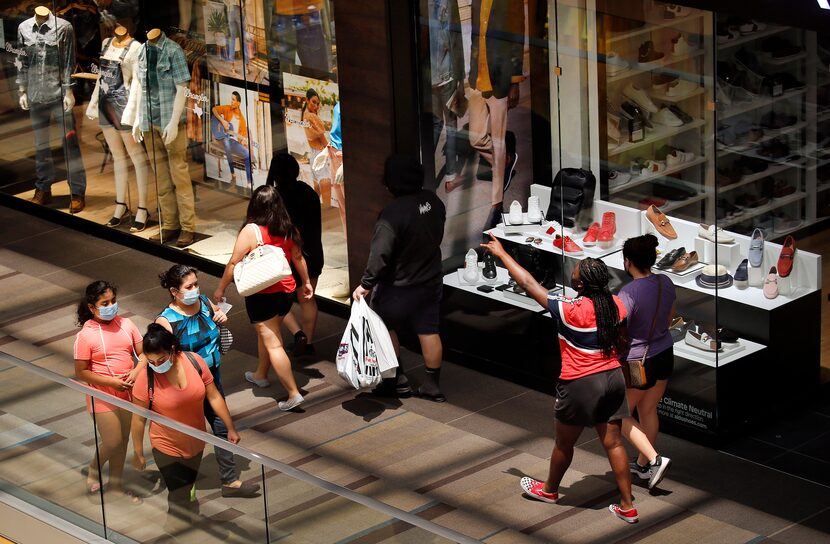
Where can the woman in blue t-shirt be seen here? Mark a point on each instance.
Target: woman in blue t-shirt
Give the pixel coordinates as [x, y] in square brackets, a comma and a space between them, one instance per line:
[195, 321]
[649, 300]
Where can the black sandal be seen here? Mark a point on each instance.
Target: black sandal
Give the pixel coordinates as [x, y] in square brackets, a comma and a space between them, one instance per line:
[136, 226]
[116, 221]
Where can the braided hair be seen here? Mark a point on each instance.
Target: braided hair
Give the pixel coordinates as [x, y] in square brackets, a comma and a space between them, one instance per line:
[594, 276]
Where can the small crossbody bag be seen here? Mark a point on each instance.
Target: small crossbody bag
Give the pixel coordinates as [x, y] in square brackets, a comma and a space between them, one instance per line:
[637, 367]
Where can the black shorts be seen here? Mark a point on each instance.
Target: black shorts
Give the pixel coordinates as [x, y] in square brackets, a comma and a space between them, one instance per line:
[591, 400]
[659, 367]
[416, 308]
[264, 306]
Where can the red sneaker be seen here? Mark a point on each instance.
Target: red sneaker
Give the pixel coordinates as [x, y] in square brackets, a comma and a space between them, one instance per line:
[628, 516]
[590, 238]
[786, 257]
[570, 247]
[536, 490]
[608, 229]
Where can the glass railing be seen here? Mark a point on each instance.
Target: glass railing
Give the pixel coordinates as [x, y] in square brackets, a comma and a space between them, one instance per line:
[49, 457]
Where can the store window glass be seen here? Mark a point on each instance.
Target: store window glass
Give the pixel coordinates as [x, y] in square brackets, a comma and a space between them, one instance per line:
[160, 119]
[704, 130]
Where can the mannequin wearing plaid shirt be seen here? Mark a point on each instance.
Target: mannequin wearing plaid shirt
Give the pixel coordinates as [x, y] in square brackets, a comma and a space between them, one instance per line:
[158, 110]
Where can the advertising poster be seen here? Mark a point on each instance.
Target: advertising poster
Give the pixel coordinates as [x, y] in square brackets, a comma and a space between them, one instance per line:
[235, 39]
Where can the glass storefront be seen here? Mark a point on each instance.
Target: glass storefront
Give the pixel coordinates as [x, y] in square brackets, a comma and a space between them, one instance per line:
[565, 128]
[160, 118]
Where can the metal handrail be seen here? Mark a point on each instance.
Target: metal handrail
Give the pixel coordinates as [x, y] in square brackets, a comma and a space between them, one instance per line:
[279, 466]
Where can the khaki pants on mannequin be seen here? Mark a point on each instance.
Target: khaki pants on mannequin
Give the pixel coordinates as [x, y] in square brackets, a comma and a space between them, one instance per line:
[176, 203]
[488, 127]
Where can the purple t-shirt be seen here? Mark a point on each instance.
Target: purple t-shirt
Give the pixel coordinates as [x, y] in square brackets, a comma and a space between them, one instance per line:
[640, 299]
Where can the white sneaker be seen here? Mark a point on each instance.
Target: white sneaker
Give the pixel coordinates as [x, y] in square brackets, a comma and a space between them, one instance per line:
[515, 216]
[714, 234]
[658, 469]
[617, 178]
[667, 118]
[639, 96]
[290, 404]
[679, 46]
[614, 65]
[677, 157]
[534, 214]
[680, 88]
[653, 167]
[259, 383]
[471, 271]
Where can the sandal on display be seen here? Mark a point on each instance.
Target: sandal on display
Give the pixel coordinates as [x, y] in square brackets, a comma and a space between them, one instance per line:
[137, 225]
[117, 220]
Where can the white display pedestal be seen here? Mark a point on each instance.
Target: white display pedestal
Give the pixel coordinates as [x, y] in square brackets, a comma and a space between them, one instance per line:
[711, 253]
[757, 275]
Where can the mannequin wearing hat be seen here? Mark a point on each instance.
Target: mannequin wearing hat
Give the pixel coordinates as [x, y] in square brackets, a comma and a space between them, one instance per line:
[44, 80]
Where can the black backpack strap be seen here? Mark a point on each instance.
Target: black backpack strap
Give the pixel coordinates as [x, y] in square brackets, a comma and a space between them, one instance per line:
[151, 379]
[194, 363]
[206, 301]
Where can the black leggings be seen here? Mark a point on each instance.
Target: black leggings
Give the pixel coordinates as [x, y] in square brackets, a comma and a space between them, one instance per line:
[179, 474]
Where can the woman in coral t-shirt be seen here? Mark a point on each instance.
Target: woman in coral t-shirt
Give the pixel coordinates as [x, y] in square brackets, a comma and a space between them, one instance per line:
[179, 392]
[104, 351]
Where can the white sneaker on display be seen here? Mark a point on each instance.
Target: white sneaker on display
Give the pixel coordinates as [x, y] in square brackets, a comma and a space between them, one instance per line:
[679, 46]
[471, 271]
[639, 96]
[614, 65]
[677, 157]
[667, 118]
[515, 216]
[617, 178]
[534, 214]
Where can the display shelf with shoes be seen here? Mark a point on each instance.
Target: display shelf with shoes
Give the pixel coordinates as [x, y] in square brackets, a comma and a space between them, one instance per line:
[739, 107]
[675, 99]
[750, 38]
[664, 175]
[658, 134]
[761, 210]
[783, 61]
[729, 352]
[771, 170]
[683, 23]
[768, 134]
[676, 205]
[502, 277]
[662, 65]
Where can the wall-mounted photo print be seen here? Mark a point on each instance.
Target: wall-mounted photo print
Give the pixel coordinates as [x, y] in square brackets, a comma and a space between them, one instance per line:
[308, 105]
[238, 148]
[235, 38]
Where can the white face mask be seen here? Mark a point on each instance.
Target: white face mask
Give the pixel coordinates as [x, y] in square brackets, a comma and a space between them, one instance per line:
[190, 296]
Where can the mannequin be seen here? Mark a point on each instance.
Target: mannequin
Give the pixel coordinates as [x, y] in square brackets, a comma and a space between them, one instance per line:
[119, 62]
[45, 85]
[156, 109]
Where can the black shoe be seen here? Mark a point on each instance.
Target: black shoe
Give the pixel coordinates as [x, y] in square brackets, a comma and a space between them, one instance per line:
[393, 387]
[430, 395]
[138, 226]
[510, 170]
[671, 257]
[300, 344]
[485, 171]
[245, 491]
[489, 271]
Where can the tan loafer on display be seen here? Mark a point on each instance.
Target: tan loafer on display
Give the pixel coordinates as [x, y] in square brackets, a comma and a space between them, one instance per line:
[169, 236]
[685, 261]
[42, 197]
[76, 204]
[186, 238]
[660, 222]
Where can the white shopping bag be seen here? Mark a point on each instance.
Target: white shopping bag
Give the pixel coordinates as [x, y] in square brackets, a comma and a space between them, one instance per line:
[365, 349]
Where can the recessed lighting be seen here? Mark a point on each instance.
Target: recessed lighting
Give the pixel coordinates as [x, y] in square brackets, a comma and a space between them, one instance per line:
[824, 4]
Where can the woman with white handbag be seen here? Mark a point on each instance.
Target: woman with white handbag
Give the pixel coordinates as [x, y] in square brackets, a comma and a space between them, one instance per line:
[259, 267]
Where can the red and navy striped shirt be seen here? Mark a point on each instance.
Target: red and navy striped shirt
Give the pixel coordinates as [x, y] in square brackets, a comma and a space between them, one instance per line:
[578, 339]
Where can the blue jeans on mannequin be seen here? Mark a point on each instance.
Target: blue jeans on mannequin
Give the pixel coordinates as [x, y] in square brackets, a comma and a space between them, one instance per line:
[235, 28]
[232, 147]
[41, 116]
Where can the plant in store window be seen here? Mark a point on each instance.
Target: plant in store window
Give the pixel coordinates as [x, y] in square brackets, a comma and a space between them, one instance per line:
[218, 24]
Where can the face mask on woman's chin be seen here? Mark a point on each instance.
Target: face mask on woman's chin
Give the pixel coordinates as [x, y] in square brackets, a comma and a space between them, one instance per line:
[163, 367]
[190, 297]
[108, 313]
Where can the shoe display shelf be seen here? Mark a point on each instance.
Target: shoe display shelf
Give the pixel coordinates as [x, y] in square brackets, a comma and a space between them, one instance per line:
[689, 66]
[502, 277]
[799, 167]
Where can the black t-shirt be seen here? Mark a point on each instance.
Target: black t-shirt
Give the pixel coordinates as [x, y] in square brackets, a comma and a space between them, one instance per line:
[303, 207]
[406, 245]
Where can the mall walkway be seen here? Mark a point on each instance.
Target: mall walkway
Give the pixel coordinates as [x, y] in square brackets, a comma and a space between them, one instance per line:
[457, 464]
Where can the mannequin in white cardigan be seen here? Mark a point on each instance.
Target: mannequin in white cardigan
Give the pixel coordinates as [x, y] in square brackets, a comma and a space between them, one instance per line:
[119, 63]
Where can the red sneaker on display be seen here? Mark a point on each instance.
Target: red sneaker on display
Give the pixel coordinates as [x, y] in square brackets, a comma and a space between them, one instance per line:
[536, 490]
[590, 238]
[608, 229]
[568, 246]
[628, 516]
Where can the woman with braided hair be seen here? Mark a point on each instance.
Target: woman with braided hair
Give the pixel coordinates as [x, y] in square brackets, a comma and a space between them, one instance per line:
[591, 388]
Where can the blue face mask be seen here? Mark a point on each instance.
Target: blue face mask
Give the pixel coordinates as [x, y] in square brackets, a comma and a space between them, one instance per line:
[163, 367]
[190, 297]
[108, 313]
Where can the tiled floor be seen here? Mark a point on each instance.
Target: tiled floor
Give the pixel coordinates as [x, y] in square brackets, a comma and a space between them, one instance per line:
[457, 464]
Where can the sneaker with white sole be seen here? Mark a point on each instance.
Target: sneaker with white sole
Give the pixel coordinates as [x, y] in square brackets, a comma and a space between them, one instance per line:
[259, 383]
[628, 516]
[639, 96]
[658, 469]
[534, 213]
[536, 490]
[641, 471]
[290, 404]
[667, 118]
[515, 216]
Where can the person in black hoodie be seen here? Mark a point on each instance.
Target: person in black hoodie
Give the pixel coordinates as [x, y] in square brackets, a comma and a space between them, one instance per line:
[404, 270]
[303, 206]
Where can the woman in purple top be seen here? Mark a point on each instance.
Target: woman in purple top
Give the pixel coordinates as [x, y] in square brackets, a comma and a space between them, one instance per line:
[649, 299]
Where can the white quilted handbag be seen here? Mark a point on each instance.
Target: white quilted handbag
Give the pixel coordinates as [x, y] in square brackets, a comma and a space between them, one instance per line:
[264, 266]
